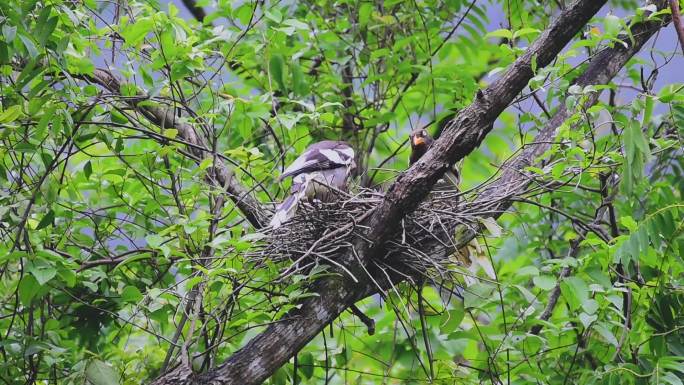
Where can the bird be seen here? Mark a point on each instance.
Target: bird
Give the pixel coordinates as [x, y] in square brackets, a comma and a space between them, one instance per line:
[321, 169]
[421, 141]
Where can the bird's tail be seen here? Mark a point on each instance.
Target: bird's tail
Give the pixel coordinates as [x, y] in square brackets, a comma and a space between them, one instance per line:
[285, 210]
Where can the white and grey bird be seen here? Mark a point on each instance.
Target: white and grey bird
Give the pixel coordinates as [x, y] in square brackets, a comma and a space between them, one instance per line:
[322, 168]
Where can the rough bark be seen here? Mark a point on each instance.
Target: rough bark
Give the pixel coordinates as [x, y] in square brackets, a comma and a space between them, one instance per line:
[256, 361]
[677, 21]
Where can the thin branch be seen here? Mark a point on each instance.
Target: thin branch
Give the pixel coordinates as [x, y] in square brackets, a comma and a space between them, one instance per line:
[252, 210]
[369, 322]
[196, 11]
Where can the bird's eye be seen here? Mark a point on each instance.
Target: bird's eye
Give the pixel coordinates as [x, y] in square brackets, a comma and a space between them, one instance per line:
[424, 133]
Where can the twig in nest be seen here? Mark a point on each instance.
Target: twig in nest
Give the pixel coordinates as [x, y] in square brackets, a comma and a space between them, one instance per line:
[320, 232]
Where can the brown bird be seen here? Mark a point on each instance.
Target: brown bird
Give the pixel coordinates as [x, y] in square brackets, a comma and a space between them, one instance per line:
[421, 141]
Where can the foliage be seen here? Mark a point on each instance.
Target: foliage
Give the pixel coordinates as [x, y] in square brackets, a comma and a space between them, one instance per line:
[115, 245]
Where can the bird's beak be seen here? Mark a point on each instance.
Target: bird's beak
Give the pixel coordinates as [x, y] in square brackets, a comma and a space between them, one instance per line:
[418, 140]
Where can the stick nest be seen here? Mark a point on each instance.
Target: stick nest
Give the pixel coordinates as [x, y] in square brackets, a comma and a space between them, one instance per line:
[320, 231]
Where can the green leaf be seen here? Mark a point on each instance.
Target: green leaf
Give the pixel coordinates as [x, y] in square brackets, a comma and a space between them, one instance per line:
[525, 32]
[502, 33]
[169, 45]
[544, 282]
[88, 169]
[575, 291]
[10, 114]
[274, 15]
[477, 294]
[365, 11]
[136, 32]
[31, 71]
[170, 133]
[378, 53]
[299, 85]
[590, 306]
[648, 110]
[29, 45]
[668, 93]
[28, 288]
[639, 138]
[192, 282]
[587, 319]
[244, 13]
[276, 68]
[9, 32]
[133, 258]
[131, 294]
[611, 24]
[450, 320]
[670, 378]
[154, 240]
[99, 373]
[43, 274]
[606, 334]
[46, 220]
[306, 364]
[629, 223]
[25, 147]
[47, 30]
[636, 154]
[296, 24]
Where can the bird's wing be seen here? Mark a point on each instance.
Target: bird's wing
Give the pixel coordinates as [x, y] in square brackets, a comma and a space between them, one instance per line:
[287, 208]
[320, 158]
[284, 211]
[325, 163]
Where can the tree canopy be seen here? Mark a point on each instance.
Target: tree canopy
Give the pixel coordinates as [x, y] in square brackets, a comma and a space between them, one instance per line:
[141, 144]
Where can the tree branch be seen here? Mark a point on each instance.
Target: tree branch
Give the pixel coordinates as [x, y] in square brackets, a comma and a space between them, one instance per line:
[677, 21]
[221, 176]
[266, 352]
[196, 11]
[465, 133]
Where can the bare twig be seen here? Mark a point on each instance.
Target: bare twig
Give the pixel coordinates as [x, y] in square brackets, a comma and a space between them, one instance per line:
[165, 118]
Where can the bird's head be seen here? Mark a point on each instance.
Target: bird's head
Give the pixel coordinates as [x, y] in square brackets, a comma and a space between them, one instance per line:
[420, 138]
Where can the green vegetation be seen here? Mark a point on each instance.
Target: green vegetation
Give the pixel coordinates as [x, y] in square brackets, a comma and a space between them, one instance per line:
[139, 151]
